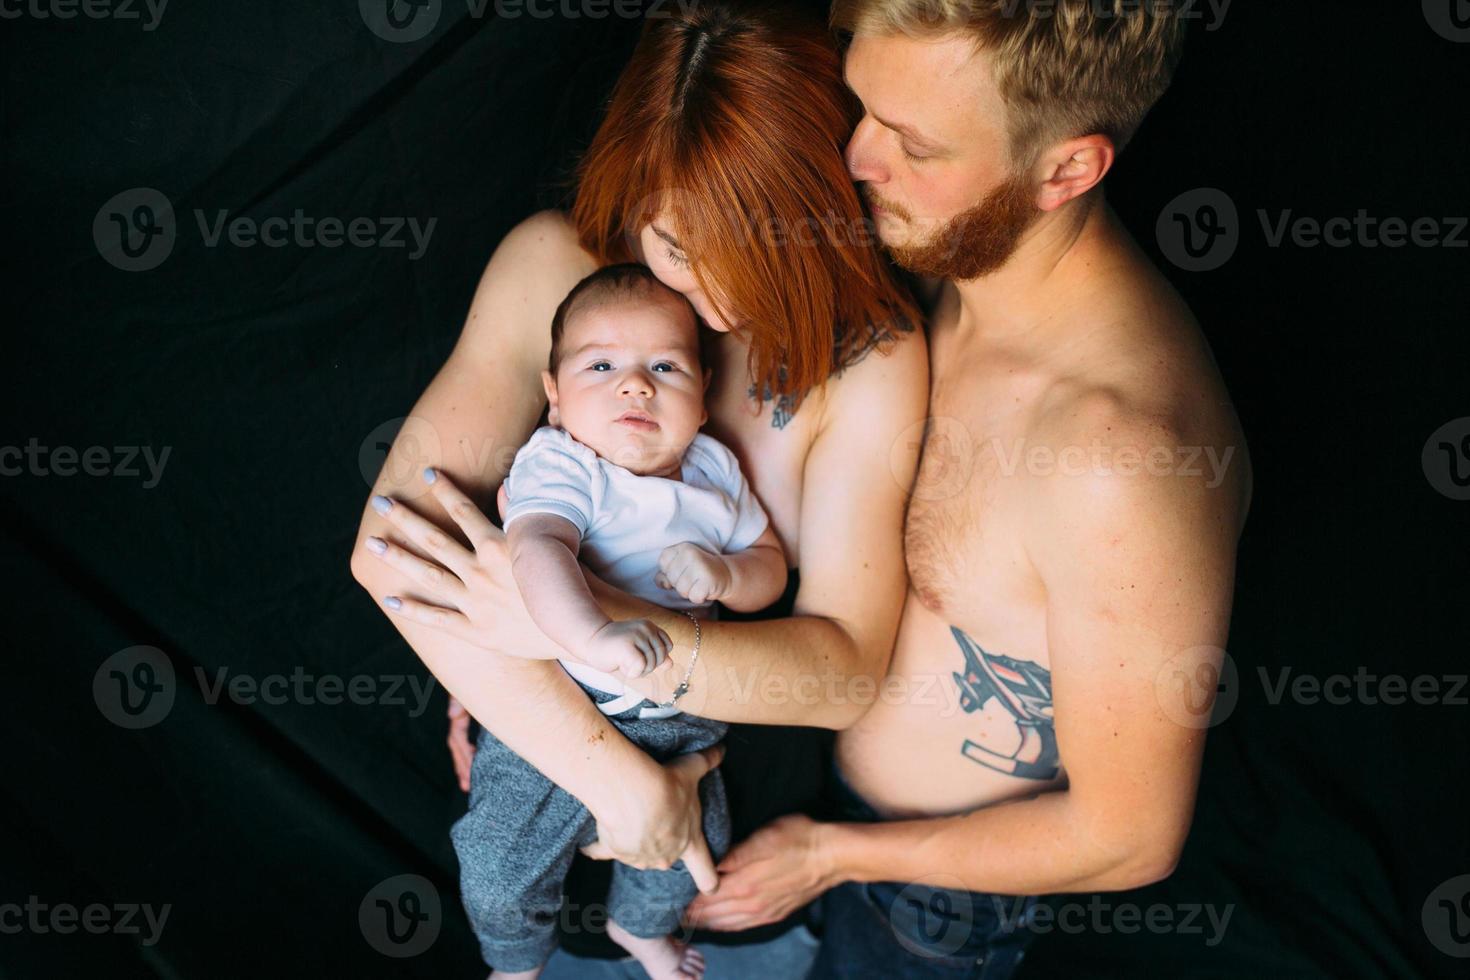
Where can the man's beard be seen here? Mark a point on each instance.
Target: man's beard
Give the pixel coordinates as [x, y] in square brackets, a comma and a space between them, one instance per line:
[976, 242]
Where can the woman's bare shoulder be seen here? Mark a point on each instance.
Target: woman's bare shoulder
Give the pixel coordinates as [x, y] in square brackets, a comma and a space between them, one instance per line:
[532, 269]
[894, 372]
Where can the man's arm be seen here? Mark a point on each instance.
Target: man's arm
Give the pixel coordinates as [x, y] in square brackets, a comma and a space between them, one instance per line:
[820, 667]
[1139, 573]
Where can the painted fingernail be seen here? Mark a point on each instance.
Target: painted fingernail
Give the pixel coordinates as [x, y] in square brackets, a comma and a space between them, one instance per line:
[377, 545]
[381, 504]
[429, 475]
[393, 602]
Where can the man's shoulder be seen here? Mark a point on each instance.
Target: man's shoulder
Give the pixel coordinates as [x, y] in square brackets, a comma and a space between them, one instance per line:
[1117, 462]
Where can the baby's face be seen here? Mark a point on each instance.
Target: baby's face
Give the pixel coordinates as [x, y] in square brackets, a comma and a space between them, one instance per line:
[629, 385]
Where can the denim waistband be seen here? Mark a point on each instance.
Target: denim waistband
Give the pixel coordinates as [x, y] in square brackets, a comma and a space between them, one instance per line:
[927, 917]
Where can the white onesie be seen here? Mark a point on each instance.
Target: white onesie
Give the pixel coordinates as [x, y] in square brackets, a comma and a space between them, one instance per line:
[626, 520]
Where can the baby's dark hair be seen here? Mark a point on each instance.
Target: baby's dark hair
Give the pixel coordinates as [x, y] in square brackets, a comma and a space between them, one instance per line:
[628, 279]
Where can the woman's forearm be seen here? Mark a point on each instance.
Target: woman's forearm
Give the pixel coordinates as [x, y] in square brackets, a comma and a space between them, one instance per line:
[803, 670]
[530, 705]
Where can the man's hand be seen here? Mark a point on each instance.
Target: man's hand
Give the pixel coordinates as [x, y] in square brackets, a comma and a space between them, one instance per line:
[694, 573]
[632, 647]
[766, 877]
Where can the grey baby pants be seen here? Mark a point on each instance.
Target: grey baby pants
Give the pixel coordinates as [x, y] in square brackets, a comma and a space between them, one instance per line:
[518, 839]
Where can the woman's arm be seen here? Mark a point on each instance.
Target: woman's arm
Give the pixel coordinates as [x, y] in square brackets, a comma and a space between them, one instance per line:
[479, 409]
[824, 666]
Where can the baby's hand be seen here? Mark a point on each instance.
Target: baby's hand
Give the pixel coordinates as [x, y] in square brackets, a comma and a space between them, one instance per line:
[632, 647]
[693, 572]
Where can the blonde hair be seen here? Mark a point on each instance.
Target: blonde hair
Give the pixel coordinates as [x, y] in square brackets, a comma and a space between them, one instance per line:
[1065, 68]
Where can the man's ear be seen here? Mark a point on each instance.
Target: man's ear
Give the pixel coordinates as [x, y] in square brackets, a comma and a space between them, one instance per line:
[1072, 168]
[548, 382]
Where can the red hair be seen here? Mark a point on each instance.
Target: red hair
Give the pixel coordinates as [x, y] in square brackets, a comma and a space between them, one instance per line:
[733, 123]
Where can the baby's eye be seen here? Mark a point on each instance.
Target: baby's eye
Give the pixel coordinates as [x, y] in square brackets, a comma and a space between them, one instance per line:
[666, 366]
[600, 366]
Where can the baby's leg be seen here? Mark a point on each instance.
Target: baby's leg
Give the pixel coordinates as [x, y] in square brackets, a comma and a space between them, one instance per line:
[515, 846]
[645, 907]
[663, 957]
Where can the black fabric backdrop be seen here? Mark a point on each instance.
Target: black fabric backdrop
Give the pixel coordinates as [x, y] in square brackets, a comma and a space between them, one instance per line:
[273, 377]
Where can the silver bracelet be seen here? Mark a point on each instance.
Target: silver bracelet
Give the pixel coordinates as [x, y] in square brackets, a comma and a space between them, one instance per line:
[683, 687]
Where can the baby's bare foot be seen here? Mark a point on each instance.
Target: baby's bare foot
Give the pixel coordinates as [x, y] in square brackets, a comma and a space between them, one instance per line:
[662, 956]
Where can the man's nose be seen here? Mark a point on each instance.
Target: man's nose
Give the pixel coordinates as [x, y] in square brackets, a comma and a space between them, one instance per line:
[861, 154]
[636, 382]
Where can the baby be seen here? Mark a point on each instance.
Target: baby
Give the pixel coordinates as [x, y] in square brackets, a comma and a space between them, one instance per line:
[622, 479]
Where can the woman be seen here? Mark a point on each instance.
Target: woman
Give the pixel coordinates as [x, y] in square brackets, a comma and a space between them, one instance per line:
[719, 165]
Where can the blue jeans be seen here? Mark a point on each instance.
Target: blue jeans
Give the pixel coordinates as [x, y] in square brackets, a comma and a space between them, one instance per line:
[889, 930]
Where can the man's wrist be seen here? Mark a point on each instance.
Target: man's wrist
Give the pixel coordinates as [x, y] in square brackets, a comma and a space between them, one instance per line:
[834, 849]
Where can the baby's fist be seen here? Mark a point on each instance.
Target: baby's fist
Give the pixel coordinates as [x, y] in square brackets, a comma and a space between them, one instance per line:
[632, 647]
[693, 572]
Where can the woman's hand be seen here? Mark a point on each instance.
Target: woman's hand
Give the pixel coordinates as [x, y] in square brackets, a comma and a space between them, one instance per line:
[461, 749]
[652, 826]
[766, 877]
[468, 593]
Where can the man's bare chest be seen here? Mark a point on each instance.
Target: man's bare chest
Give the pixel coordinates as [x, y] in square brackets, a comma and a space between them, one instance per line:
[964, 531]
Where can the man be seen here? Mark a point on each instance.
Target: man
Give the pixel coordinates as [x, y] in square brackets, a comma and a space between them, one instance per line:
[1071, 536]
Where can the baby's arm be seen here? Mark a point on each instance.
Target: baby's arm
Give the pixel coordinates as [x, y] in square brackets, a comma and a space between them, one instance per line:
[543, 555]
[746, 581]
